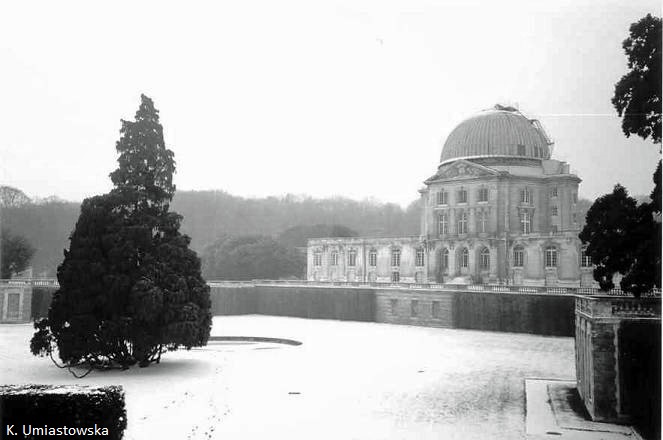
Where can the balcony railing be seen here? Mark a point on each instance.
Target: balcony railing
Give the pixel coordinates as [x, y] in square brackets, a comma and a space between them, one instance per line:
[587, 291]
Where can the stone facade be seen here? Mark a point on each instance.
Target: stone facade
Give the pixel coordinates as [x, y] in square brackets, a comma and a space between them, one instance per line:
[15, 303]
[507, 218]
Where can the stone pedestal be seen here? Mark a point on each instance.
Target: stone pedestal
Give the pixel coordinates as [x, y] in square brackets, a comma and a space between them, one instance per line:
[15, 302]
[618, 356]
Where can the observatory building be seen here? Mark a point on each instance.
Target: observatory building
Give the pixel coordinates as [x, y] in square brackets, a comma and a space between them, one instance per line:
[498, 209]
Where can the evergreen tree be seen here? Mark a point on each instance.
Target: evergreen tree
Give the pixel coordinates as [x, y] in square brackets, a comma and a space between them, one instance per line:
[130, 287]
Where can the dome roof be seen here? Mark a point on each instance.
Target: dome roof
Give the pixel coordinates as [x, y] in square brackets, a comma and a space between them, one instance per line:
[500, 131]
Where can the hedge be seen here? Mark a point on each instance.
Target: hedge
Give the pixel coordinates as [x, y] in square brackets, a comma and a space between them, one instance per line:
[51, 411]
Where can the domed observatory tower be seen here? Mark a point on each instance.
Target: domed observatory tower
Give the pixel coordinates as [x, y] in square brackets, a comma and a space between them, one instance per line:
[499, 209]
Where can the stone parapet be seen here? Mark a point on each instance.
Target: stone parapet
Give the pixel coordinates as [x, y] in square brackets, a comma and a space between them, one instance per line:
[618, 356]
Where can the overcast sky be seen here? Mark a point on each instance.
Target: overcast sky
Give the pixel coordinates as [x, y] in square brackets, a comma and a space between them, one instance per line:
[350, 98]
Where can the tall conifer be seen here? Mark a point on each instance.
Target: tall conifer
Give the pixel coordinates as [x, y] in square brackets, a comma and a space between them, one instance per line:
[130, 287]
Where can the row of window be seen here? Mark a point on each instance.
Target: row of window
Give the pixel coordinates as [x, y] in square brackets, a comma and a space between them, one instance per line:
[482, 196]
[518, 258]
[464, 262]
[526, 195]
[461, 223]
[550, 255]
[372, 258]
[461, 196]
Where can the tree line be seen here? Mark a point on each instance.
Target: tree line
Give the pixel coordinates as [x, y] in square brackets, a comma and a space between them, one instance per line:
[213, 215]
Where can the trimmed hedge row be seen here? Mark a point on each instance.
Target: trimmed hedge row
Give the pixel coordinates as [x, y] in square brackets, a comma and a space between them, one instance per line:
[51, 411]
[317, 302]
[552, 315]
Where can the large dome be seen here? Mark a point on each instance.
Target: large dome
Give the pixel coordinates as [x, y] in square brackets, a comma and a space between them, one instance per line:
[498, 132]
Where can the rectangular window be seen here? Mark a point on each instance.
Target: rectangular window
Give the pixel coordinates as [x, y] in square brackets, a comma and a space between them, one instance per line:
[483, 194]
[462, 223]
[585, 260]
[575, 197]
[525, 196]
[317, 259]
[442, 198]
[442, 224]
[395, 277]
[553, 192]
[482, 225]
[420, 257]
[553, 211]
[396, 257]
[521, 150]
[462, 196]
[373, 258]
[414, 307]
[525, 224]
[435, 309]
[393, 305]
[574, 217]
[554, 229]
[352, 258]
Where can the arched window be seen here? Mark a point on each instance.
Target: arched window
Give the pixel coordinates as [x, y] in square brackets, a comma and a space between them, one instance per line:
[518, 256]
[420, 257]
[465, 258]
[462, 223]
[484, 259]
[395, 257]
[352, 258]
[442, 224]
[334, 258]
[373, 258]
[525, 223]
[317, 258]
[445, 258]
[551, 256]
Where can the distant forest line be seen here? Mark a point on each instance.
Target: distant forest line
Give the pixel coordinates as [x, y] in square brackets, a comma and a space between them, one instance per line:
[209, 215]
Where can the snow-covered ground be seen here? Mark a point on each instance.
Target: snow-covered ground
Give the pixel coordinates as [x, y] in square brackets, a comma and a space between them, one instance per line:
[348, 380]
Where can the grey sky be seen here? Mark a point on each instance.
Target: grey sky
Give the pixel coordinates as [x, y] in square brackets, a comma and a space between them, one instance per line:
[350, 98]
